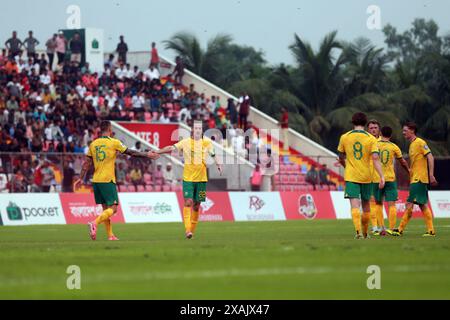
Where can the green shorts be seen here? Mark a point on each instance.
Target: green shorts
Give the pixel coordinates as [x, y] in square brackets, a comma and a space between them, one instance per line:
[355, 190]
[195, 191]
[105, 193]
[418, 193]
[389, 192]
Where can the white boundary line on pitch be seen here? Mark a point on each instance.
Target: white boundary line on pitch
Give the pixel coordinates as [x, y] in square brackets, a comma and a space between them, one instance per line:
[205, 274]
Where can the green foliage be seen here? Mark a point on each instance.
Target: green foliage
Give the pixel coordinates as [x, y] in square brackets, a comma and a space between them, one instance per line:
[410, 81]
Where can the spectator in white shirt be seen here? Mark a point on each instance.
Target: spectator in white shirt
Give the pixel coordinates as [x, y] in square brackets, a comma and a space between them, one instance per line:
[212, 105]
[152, 73]
[121, 72]
[129, 74]
[81, 89]
[185, 115]
[176, 93]
[45, 78]
[164, 118]
[138, 102]
[111, 99]
[94, 99]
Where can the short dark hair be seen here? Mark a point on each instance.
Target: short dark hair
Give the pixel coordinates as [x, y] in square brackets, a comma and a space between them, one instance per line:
[411, 126]
[359, 119]
[105, 125]
[373, 121]
[386, 132]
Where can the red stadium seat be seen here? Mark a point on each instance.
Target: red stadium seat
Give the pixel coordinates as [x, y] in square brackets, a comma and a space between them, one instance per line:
[140, 188]
[157, 188]
[285, 179]
[292, 179]
[123, 188]
[149, 188]
[148, 117]
[166, 188]
[131, 188]
[148, 178]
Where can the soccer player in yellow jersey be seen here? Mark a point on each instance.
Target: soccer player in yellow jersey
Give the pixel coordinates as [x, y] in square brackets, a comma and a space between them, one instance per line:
[388, 152]
[421, 174]
[376, 211]
[195, 150]
[356, 148]
[102, 154]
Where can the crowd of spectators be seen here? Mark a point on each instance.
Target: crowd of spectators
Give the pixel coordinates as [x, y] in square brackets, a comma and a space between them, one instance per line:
[53, 103]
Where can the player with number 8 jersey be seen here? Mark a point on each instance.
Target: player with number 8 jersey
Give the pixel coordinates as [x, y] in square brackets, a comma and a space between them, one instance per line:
[356, 149]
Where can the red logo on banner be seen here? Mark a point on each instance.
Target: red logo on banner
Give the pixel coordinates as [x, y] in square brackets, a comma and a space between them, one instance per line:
[160, 135]
[217, 207]
[80, 208]
[307, 205]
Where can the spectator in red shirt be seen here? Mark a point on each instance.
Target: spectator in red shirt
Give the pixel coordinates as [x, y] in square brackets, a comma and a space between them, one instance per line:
[256, 179]
[155, 57]
[284, 124]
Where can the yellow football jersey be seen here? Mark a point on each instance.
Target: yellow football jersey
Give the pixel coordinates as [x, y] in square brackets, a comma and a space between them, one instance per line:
[358, 147]
[373, 172]
[418, 151]
[103, 152]
[388, 152]
[195, 153]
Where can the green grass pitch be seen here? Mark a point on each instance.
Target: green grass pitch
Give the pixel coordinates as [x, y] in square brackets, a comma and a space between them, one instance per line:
[250, 260]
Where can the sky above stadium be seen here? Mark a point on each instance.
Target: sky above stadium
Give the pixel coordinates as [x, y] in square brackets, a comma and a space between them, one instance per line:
[265, 24]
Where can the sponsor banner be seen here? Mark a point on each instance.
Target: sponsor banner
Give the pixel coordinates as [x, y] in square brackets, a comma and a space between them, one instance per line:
[217, 207]
[257, 206]
[308, 205]
[31, 209]
[150, 207]
[80, 208]
[440, 203]
[401, 205]
[159, 135]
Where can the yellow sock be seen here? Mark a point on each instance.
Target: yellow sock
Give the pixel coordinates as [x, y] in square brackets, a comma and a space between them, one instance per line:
[194, 220]
[356, 216]
[380, 216]
[108, 213]
[406, 217]
[428, 219]
[373, 214]
[187, 219]
[392, 217]
[365, 222]
[108, 227]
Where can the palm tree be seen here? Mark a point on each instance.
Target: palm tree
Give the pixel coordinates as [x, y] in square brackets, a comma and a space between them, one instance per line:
[198, 60]
[320, 82]
[366, 71]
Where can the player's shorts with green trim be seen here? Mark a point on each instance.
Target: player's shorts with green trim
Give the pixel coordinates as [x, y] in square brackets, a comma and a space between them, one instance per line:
[195, 191]
[418, 193]
[388, 193]
[105, 193]
[355, 190]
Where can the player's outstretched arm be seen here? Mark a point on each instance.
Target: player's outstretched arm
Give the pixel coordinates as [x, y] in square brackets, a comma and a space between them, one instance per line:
[84, 169]
[377, 166]
[165, 150]
[137, 154]
[430, 160]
